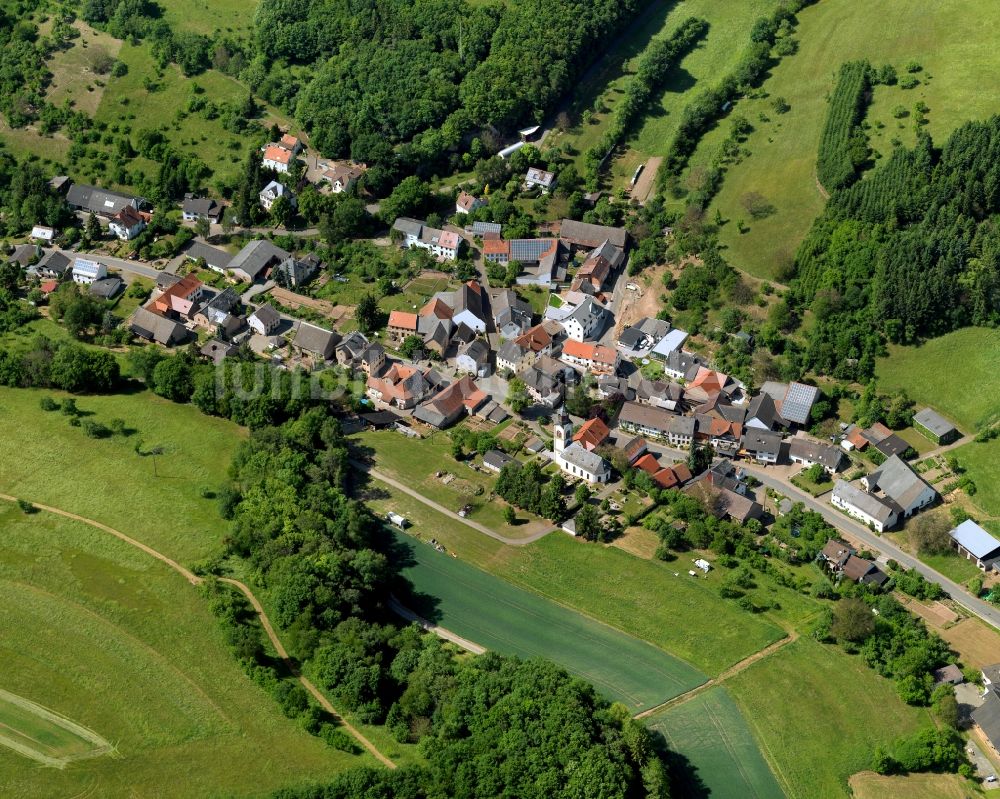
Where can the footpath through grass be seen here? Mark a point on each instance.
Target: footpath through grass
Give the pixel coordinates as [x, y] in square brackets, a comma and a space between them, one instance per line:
[712, 735]
[110, 638]
[818, 715]
[508, 619]
[166, 501]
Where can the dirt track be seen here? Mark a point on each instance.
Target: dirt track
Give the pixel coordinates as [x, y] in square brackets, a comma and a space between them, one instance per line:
[643, 188]
[194, 579]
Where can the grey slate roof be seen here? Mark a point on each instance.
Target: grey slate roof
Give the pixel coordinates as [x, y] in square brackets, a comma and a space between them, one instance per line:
[257, 256]
[106, 287]
[267, 315]
[589, 461]
[756, 440]
[815, 451]
[157, 328]
[987, 716]
[54, 262]
[934, 422]
[316, 340]
[408, 226]
[584, 234]
[213, 256]
[897, 481]
[100, 201]
[868, 503]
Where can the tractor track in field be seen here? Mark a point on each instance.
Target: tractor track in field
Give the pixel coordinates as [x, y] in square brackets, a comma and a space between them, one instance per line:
[194, 579]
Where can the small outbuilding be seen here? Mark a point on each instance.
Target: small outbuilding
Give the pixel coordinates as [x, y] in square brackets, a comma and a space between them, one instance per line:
[935, 426]
[974, 543]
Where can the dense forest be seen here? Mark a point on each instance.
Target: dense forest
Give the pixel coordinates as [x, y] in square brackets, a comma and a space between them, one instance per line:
[910, 252]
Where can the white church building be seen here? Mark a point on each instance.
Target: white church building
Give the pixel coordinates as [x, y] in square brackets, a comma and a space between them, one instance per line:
[572, 458]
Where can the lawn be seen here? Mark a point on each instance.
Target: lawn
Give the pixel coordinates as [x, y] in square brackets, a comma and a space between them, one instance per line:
[395, 456]
[869, 785]
[949, 39]
[711, 734]
[818, 715]
[982, 464]
[104, 635]
[508, 619]
[681, 615]
[164, 501]
[957, 374]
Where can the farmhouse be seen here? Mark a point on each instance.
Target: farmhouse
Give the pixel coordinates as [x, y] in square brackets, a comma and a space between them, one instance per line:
[678, 364]
[974, 543]
[842, 560]
[762, 413]
[256, 257]
[293, 272]
[86, 272]
[53, 265]
[867, 508]
[934, 426]
[127, 223]
[277, 157]
[401, 324]
[200, 208]
[449, 404]
[271, 192]
[468, 308]
[102, 202]
[724, 501]
[373, 359]
[215, 259]
[154, 327]
[217, 351]
[401, 386]
[443, 244]
[524, 350]
[809, 452]
[315, 341]
[657, 423]
[474, 358]
[265, 320]
[466, 203]
[342, 175]
[764, 446]
[511, 314]
[901, 485]
[594, 358]
[541, 178]
[587, 236]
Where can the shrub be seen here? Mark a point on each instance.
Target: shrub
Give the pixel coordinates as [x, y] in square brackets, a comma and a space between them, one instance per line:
[48, 404]
[26, 507]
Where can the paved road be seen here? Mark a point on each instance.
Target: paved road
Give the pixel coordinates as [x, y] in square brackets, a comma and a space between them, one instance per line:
[479, 528]
[122, 264]
[984, 610]
[846, 524]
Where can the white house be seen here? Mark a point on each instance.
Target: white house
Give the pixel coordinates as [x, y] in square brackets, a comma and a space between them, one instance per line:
[444, 244]
[584, 321]
[271, 192]
[42, 233]
[86, 272]
[468, 307]
[652, 422]
[863, 506]
[264, 320]
[574, 459]
[127, 223]
[277, 157]
[341, 175]
[540, 178]
[466, 203]
[808, 453]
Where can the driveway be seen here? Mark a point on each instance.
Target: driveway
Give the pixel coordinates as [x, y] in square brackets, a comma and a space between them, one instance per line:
[984, 768]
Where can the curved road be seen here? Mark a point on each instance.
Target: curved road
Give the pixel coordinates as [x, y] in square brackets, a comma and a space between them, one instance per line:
[194, 579]
[479, 528]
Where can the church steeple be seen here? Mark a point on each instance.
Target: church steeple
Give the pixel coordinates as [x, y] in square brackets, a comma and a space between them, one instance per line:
[562, 433]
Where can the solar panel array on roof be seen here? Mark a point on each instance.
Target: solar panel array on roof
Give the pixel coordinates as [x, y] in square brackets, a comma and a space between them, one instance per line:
[529, 249]
[798, 402]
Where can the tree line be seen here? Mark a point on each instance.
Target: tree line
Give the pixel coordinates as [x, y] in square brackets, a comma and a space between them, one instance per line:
[843, 146]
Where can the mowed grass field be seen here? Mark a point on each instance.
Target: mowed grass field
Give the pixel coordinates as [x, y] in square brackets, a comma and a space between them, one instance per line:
[712, 735]
[681, 615]
[716, 53]
[209, 16]
[869, 785]
[161, 501]
[982, 463]
[957, 374]
[818, 715]
[40, 734]
[953, 41]
[508, 619]
[104, 635]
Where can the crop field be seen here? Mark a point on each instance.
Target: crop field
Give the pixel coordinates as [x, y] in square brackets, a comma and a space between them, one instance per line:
[711, 734]
[40, 734]
[99, 633]
[728, 34]
[970, 396]
[948, 39]
[166, 500]
[818, 715]
[639, 597]
[508, 619]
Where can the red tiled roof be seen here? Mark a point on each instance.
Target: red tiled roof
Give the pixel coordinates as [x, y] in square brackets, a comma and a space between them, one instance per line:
[436, 308]
[666, 477]
[535, 339]
[277, 154]
[290, 141]
[496, 246]
[592, 434]
[648, 464]
[402, 319]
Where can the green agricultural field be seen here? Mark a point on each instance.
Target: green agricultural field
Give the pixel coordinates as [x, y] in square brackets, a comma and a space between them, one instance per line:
[681, 615]
[712, 735]
[508, 619]
[103, 635]
[957, 374]
[603, 87]
[164, 501]
[40, 734]
[818, 715]
[951, 40]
